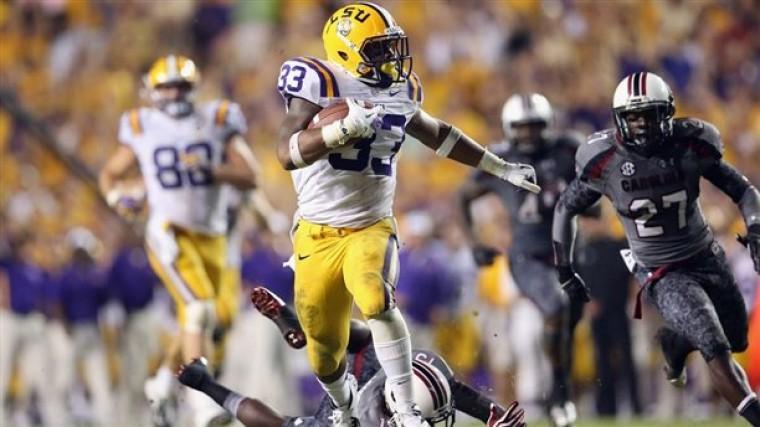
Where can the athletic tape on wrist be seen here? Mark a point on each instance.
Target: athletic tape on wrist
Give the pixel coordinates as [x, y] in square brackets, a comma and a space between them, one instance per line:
[448, 144]
[334, 135]
[295, 151]
[745, 402]
[492, 164]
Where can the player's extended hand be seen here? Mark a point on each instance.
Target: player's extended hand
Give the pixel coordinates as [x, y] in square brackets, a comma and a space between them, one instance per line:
[359, 123]
[573, 285]
[195, 374]
[752, 242]
[521, 175]
[514, 416]
[483, 255]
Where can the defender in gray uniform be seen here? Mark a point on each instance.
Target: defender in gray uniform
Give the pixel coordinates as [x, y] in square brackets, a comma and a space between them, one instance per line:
[526, 119]
[650, 167]
[435, 389]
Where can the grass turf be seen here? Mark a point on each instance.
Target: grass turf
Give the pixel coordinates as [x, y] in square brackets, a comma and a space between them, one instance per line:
[713, 422]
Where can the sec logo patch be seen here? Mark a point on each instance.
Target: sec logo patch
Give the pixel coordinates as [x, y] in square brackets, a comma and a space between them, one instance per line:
[628, 169]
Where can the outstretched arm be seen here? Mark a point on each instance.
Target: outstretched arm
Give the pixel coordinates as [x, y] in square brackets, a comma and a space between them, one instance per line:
[745, 195]
[448, 141]
[250, 412]
[477, 405]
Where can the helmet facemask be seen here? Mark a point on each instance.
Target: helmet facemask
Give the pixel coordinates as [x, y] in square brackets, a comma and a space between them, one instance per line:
[174, 98]
[644, 128]
[529, 136]
[385, 59]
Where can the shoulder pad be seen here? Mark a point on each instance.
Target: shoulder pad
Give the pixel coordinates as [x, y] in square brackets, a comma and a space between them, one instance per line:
[415, 88]
[130, 126]
[229, 116]
[593, 155]
[307, 78]
[700, 136]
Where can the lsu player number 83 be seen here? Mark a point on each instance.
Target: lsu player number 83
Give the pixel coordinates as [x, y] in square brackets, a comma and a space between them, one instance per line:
[189, 154]
[344, 174]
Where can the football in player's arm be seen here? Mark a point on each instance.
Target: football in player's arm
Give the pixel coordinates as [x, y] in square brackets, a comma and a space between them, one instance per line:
[650, 167]
[298, 146]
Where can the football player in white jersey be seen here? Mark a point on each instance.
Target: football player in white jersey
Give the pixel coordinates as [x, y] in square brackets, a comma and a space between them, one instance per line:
[187, 153]
[344, 173]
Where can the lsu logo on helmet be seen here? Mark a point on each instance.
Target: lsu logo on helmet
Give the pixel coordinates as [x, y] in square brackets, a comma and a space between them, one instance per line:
[365, 40]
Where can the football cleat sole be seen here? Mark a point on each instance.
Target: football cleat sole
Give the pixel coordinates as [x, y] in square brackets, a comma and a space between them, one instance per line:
[272, 307]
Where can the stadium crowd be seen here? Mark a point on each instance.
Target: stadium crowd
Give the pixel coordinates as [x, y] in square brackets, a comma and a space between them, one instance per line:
[82, 317]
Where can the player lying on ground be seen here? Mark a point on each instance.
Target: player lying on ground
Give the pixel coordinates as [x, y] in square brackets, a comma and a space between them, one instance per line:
[650, 167]
[434, 387]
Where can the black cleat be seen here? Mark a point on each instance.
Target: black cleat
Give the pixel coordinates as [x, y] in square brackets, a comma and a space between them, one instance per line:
[271, 306]
[675, 358]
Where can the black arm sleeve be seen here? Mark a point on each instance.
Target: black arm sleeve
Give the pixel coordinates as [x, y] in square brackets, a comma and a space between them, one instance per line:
[575, 199]
[471, 401]
[738, 188]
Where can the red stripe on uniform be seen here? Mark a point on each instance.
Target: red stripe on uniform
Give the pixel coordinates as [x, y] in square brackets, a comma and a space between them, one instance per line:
[643, 90]
[630, 78]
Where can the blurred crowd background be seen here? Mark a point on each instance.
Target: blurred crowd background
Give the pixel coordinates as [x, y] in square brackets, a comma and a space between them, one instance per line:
[92, 316]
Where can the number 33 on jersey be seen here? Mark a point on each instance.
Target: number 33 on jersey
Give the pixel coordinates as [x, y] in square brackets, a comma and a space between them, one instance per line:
[361, 177]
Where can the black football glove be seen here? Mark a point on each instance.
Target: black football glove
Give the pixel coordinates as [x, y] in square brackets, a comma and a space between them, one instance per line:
[514, 416]
[195, 374]
[752, 242]
[572, 283]
[484, 255]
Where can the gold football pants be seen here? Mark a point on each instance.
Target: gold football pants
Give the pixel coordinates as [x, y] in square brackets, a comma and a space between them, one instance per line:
[334, 268]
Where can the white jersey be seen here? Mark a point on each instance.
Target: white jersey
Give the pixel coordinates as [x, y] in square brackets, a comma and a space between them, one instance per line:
[352, 186]
[186, 197]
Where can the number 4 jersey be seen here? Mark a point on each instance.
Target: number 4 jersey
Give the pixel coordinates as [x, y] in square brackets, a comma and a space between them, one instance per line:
[655, 197]
[352, 186]
[176, 156]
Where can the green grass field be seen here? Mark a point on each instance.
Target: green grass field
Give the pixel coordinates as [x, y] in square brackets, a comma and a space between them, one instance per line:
[714, 422]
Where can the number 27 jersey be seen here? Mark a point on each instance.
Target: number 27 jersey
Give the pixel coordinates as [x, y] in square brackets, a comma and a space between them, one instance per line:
[352, 186]
[179, 194]
[656, 197]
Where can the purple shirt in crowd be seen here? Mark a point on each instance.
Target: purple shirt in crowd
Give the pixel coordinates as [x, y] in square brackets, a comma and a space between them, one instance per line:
[82, 292]
[27, 285]
[263, 267]
[131, 280]
[425, 283]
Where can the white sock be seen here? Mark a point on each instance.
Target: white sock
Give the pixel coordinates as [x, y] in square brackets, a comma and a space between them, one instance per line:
[394, 352]
[338, 390]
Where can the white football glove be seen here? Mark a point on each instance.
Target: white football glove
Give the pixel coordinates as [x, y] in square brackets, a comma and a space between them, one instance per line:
[521, 175]
[512, 417]
[359, 123]
[518, 174]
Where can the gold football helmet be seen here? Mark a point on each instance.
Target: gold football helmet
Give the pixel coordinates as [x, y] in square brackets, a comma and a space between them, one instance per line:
[365, 40]
[171, 82]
